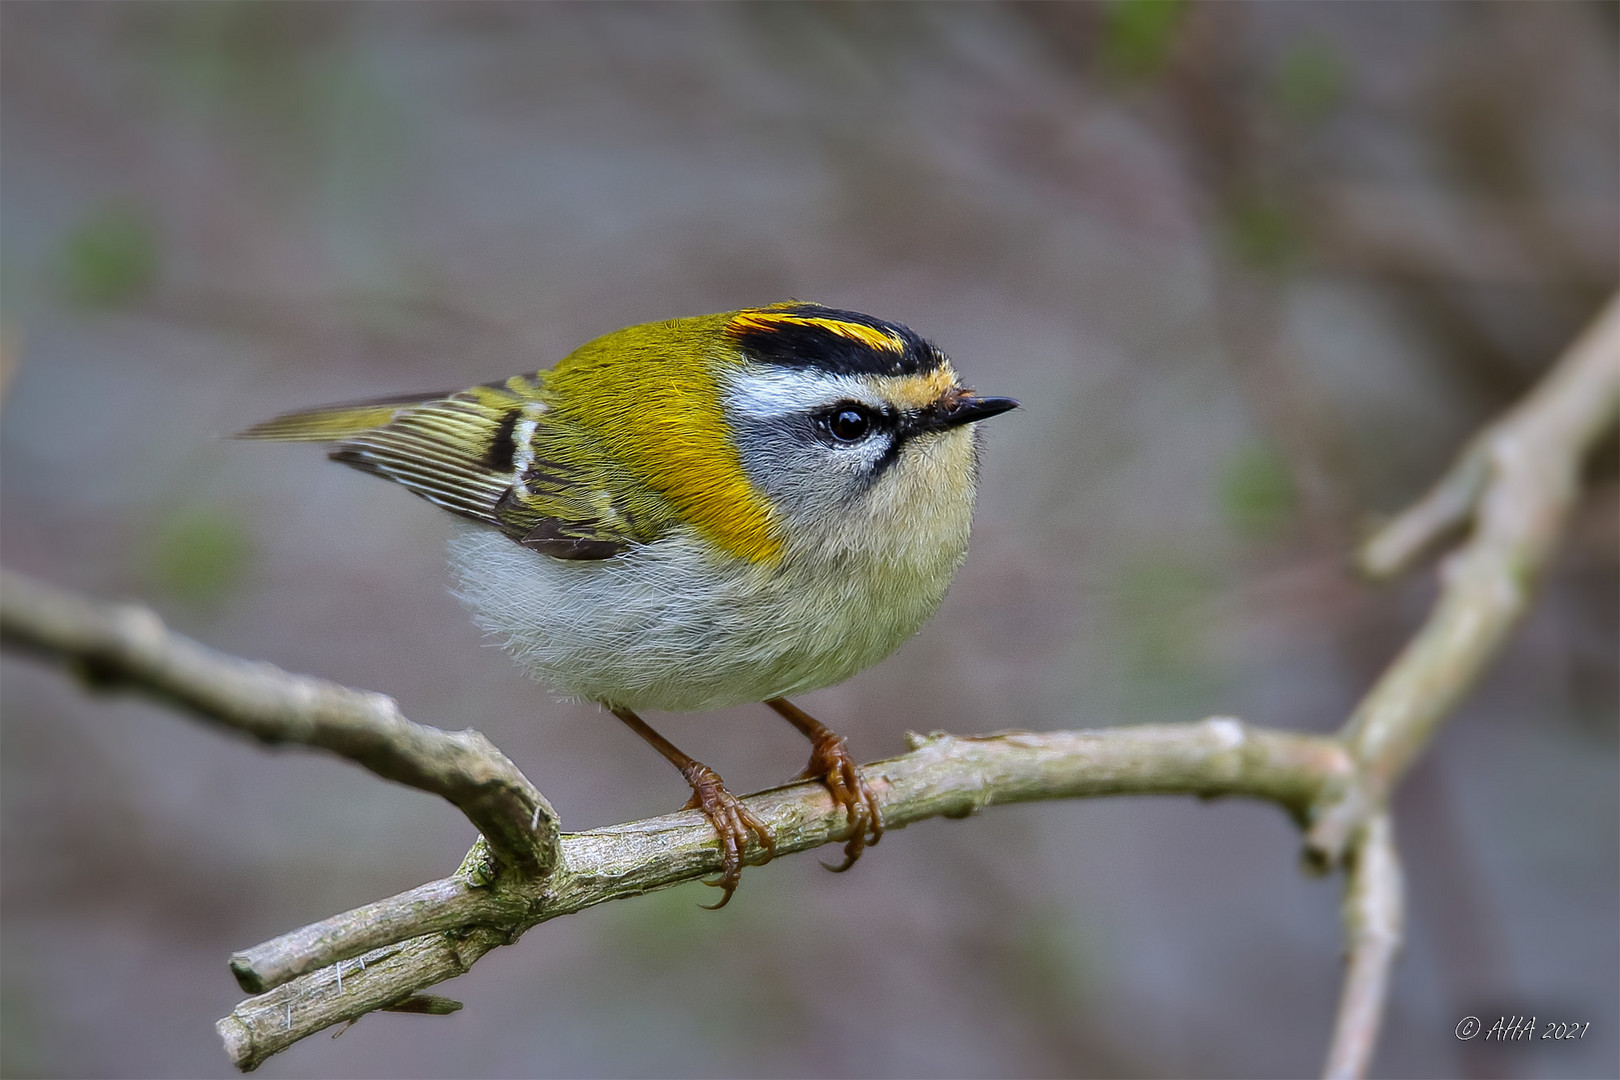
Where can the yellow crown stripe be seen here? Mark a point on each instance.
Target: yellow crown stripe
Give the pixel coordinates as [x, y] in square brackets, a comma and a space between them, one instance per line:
[770, 321]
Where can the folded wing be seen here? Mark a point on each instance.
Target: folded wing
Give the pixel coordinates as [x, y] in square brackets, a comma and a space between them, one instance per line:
[477, 453]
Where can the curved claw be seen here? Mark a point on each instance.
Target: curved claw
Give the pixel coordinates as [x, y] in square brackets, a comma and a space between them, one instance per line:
[832, 764]
[732, 822]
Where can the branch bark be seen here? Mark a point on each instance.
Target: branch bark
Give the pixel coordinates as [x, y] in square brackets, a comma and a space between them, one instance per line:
[1516, 482]
[942, 776]
[383, 954]
[127, 646]
[1374, 919]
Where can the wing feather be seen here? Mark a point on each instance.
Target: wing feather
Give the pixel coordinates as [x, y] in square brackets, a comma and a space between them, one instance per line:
[440, 450]
[468, 453]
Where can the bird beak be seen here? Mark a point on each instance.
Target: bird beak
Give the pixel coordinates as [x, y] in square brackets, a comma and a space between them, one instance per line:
[962, 407]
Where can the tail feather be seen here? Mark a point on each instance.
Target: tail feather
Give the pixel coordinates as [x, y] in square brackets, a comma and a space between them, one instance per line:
[332, 423]
[454, 449]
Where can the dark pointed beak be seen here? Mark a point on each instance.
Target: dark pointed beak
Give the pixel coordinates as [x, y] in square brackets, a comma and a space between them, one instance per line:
[962, 407]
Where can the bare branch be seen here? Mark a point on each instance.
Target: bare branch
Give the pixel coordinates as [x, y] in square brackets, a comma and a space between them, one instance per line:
[128, 646]
[1517, 481]
[942, 776]
[267, 1024]
[1374, 907]
[1444, 509]
[382, 955]
[449, 904]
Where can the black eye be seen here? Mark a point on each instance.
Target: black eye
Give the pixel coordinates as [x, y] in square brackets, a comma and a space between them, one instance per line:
[847, 423]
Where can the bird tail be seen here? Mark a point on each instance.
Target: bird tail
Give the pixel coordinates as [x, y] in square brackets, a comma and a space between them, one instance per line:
[333, 423]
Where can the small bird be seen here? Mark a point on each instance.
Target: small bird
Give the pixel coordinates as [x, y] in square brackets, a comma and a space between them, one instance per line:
[698, 513]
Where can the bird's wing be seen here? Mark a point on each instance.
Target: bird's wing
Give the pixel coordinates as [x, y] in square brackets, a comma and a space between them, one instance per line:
[478, 453]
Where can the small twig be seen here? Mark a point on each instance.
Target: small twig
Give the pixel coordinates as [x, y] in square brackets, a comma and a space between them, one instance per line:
[1447, 507]
[435, 932]
[128, 646]
[1554, 426]
[1374, 908]
[943, 776]
[1517, 481]
[425, 1005]
[267, 1024]
[448, 904]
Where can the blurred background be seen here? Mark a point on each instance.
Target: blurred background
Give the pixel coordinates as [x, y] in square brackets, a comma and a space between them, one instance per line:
[1256, 271]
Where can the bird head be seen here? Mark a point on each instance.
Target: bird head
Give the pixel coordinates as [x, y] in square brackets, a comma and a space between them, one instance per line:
[857, 430]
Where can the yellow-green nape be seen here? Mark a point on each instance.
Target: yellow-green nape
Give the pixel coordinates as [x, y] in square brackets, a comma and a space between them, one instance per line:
[650, 399]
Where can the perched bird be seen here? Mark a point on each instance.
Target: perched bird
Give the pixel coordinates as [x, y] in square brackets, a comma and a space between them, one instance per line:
[698, 513]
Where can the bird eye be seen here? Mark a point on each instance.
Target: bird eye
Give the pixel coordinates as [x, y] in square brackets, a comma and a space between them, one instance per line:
[847, 423]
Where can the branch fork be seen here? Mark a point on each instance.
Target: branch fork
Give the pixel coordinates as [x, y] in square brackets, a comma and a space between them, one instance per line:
[1514, 485]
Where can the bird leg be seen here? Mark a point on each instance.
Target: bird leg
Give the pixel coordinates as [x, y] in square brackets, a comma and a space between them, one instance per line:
[724, 810]
[832, 764]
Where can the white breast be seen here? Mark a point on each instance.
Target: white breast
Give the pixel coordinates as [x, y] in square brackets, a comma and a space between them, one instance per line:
[671, 626]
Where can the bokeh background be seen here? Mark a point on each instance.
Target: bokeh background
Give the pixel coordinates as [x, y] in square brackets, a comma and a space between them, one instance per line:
[1255, 271]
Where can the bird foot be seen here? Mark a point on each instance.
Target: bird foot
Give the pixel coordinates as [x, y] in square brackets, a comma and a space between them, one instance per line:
[832, 764]
[731, 820]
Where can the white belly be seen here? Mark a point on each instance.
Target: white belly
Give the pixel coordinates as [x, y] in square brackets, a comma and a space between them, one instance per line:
[668, 628]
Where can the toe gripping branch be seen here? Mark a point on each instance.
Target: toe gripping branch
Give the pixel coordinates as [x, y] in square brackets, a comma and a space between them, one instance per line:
[732, 820]
[833, 764]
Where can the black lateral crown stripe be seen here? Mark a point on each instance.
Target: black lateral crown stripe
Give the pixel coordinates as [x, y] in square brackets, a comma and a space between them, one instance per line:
[800, 345]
